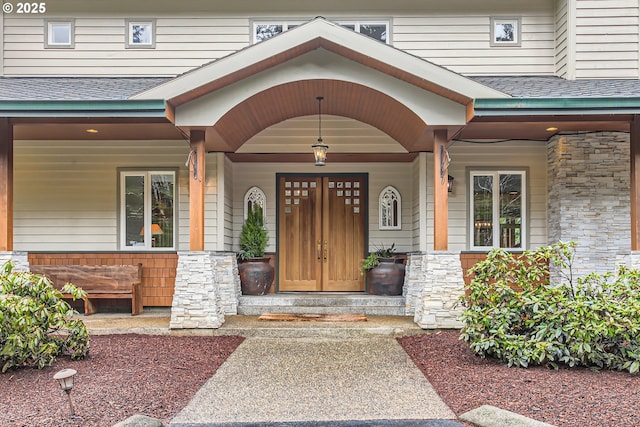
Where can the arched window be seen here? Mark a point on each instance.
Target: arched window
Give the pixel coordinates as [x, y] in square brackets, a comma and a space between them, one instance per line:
[254, 196]
[390, 209]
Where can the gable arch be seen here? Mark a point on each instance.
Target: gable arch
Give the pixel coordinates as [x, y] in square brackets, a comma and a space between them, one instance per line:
[341, 98]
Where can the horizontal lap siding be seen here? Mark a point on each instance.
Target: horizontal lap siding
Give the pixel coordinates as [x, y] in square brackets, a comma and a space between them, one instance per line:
[462, 43]
[504, 155]
[158, 270]
[66, 192]
[607, 39]
[181, 44]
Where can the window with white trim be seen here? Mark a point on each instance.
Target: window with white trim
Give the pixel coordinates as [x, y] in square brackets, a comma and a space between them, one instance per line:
[498, 209]
[147, 209]
[505, 31]
[254, 197]
[390, 204]
[59, 33]
[141, 33]
[379, 30]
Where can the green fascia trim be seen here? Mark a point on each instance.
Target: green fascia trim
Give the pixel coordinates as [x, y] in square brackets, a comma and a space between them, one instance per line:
[542, 106]
[107, 108]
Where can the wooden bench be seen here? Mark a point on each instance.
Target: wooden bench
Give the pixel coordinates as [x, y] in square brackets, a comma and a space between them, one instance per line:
[99, 282]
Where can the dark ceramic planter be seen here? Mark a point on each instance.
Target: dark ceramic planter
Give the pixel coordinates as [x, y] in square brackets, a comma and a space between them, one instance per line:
[387, 278]
[256, 275]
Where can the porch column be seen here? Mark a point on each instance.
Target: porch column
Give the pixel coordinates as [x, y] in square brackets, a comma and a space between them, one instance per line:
[196, 190]
[440, 192]
[6, 185]
[635, 183]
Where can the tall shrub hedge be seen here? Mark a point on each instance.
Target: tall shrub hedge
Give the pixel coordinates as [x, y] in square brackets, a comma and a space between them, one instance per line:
[514, 314]
[36, 324]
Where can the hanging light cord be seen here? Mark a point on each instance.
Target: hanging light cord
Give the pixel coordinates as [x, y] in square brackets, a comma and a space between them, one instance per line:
[319, 98]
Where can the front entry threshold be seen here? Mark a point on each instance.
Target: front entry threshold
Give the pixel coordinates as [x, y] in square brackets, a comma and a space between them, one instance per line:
[323, 303]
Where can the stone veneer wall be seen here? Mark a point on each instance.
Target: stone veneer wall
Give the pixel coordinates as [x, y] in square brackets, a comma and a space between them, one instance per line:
[20, 260]
[206, 287]
[228, 279]
[413, 285]
[439, 281]
[589, 198]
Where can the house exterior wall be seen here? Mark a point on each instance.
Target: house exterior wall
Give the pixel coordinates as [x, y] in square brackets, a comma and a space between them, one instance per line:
[455, 37]
[182, 43]
[211, 201]
[461, 42]
[607, 36]
[66, 194]
[520, 155]
[573, 39]
[589, 198]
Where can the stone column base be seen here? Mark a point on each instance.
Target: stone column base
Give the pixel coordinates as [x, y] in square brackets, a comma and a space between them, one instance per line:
[20, 260]
[440, 285]
[197, 299]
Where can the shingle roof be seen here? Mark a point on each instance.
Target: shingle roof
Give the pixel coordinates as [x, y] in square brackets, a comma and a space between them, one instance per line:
[74, 88]
[557, 87]
[121, 88]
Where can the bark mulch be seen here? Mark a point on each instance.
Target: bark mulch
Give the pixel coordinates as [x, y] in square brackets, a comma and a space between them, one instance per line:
[564, 397]
[124, 375]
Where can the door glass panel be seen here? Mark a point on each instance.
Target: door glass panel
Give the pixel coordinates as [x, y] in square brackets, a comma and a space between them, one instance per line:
[510, 211]
[134, 210]
[483, 210]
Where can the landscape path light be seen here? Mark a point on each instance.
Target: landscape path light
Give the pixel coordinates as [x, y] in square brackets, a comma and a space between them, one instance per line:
[65, 379]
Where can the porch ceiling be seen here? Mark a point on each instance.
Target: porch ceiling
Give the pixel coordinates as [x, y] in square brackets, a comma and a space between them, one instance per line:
[341, 98]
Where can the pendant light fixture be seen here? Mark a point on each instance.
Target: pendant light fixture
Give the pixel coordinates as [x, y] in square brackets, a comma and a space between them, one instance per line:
[319, 148]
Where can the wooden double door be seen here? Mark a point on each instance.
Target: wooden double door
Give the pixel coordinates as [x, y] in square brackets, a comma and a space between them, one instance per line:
[321, 232]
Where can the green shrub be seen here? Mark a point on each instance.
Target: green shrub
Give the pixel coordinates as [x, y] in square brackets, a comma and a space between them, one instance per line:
[35, 322]
[514, 314]
[253, 237]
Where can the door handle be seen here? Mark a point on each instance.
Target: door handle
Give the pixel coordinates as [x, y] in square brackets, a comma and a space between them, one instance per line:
[319, 249]
[326, 244]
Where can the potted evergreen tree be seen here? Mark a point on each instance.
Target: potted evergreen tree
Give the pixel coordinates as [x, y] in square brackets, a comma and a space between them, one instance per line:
[256, 273]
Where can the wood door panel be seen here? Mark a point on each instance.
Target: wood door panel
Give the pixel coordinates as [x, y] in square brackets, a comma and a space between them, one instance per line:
[321, 233]
[300, 203]
[344, 232]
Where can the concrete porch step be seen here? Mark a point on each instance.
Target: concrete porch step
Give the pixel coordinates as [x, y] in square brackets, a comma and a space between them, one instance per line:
[323, 303]
[375, 326]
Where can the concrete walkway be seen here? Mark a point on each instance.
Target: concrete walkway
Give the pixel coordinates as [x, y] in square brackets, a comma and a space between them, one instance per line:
[309, 374]
[295, 380]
